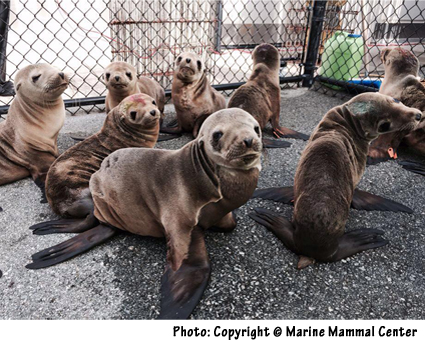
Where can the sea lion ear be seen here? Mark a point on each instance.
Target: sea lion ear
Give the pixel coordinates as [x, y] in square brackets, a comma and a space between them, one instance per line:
[384, 55]
[17, 87]
[384, 126]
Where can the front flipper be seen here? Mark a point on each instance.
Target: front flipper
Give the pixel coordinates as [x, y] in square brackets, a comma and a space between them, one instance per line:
[278, 225]
[182, 289]
[356, 241]
[65, 226]
[172, 130]
[363, 200]
[162, 138]
[416, 167]
[173, 124]
[71, 248]
[283, 132]
[78, 138]
[275, 143]
[282, 194]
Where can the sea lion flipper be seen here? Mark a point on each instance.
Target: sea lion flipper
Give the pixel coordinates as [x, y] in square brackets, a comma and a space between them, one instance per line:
[359, 240]
[280, 194]
[72, 247]
[173, 124]
[416, 167]
[278, 225]
[363, 200]
[182, 289]
[283, 132]
[65, 226]
[77, 138]
[171, 130]
[275, 143]
[163, 138]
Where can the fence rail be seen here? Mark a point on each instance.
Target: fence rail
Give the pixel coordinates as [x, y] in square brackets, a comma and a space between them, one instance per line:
[315, 39]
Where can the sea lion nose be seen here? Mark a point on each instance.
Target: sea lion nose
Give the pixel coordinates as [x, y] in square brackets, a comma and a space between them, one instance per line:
[117, 78]
[188, 60]
[153, 113]
[61, 75]
[248, 142]
[418, 116]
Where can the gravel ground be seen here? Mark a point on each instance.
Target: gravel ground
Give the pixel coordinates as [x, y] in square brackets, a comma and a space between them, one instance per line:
[253, 275]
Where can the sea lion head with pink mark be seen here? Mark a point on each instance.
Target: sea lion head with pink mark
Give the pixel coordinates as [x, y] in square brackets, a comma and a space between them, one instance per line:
[139, 109]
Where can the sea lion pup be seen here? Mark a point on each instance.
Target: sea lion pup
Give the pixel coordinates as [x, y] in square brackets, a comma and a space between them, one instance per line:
[402, 83]
[260, 96]
[193, 96]
[28, 137]
[329, 169]
[122, 81]
[176, 194]
[133, 123]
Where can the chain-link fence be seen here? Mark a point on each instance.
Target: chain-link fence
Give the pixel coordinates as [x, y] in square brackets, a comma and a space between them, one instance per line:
[81, 37]
[355, 32]
[334, 43]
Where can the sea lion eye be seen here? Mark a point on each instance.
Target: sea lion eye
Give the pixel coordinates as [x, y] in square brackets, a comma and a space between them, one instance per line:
[384, 127]
[257, 130]
[396, 100]
[107, 76]
[179, 59]
[35, 78]
[199, 65]
[217, 135]
[128, 74]
[133, 115]
[154, 102]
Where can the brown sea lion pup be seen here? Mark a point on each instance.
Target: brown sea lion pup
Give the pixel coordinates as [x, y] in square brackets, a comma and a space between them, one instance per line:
[133, 123]
[122, 81]
[176, 194]
[402, 83]
[260, 96]
[28, 136]
[193, 96]
[328, 172]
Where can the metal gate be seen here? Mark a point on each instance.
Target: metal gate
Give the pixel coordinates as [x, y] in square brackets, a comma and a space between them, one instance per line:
[82, 37]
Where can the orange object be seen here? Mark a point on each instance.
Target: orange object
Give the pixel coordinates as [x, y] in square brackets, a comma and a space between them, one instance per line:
[392, 153]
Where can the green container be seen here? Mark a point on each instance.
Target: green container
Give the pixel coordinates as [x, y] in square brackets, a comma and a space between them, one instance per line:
[342, 57]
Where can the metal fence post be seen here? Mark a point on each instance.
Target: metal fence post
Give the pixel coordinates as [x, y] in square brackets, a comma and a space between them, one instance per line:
[219, 16]
[314, 37]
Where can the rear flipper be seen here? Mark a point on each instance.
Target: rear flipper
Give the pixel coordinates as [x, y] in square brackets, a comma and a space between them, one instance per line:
[416, 167]
[363, 200]
[283, 132]
[162, 138]
[282, 194]
[356, 241]
[71, 248]
[65, 226]
[275, 143]
[278, 225]
[182, 289]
